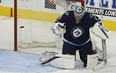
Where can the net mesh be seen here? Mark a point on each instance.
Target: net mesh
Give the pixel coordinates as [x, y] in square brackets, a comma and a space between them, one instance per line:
[32, 31]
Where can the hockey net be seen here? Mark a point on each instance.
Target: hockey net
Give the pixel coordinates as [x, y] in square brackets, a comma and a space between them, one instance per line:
[33, 25]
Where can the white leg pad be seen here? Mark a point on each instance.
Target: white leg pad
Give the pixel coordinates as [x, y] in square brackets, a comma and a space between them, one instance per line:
[92, 61]
[65, 61]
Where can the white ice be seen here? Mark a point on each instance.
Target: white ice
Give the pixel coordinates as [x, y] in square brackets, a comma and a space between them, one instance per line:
[27, 60]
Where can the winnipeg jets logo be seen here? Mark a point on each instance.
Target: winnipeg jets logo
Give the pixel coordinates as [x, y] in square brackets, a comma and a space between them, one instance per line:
[79, 10]
[77, 32]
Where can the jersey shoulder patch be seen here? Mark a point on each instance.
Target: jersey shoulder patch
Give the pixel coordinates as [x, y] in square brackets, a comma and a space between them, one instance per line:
[66, 13]
[93, 16]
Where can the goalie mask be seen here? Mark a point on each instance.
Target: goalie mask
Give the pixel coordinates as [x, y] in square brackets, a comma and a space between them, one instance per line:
[79, 12]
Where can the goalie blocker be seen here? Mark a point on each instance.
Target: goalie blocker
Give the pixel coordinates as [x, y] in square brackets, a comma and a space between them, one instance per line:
[58, 29]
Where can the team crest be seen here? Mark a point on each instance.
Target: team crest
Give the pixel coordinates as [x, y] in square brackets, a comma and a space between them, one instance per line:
[77, 32]
[79, 10]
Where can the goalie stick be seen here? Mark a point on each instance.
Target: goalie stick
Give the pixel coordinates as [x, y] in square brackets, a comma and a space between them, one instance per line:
[104, 50]
[104, 55]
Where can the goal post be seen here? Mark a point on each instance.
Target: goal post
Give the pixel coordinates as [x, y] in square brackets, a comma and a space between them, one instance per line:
[15, 25]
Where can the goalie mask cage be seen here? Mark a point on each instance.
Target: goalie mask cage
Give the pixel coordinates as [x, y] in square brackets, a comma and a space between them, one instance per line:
[29, 29]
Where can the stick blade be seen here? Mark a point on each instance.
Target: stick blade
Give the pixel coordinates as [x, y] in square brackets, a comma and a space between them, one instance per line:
[99, 66]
